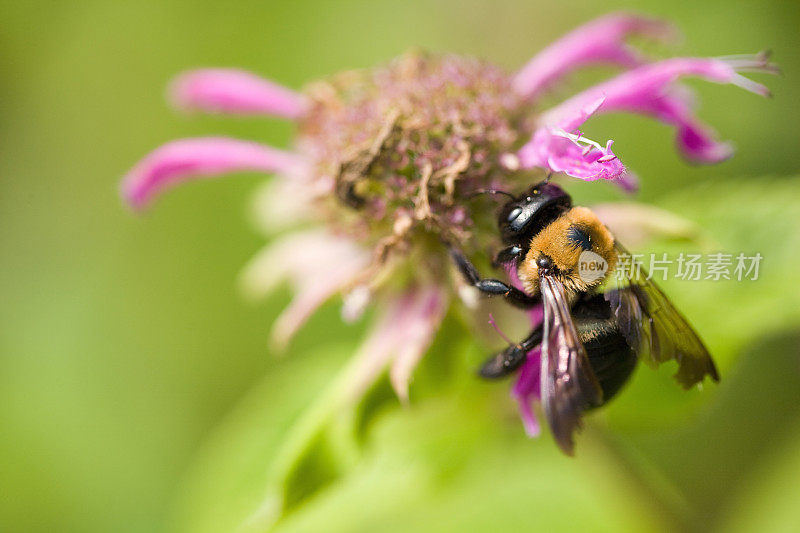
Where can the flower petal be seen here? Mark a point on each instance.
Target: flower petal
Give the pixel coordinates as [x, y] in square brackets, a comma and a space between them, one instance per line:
[355, 303]
[634, 223]
[572, 154]
[526, 391]
[318, 264]
[652, 90]
[181, 160]
[288, 200]
[574, 161]
[422, 323]
[636, 90]
[694, 140]
[295, 255]
[234, 91]
[375, 353]
[270, 211]
[403, 331]
[315, 292]
[527, 388]
[599, 41]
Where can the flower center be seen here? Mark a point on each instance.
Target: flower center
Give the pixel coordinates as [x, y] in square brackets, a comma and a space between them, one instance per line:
[404, 147]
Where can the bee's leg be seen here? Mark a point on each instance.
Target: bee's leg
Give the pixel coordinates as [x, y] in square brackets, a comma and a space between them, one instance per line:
[508, 255]
[492, 287]
[510, 359]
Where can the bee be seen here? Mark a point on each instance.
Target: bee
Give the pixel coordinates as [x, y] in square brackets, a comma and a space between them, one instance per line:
[596, 323]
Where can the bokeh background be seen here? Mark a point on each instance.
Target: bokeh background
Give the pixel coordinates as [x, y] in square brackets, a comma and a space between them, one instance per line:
[137, 390]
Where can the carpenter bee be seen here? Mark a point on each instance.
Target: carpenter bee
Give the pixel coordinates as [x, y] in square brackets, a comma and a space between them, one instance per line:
[596, 323]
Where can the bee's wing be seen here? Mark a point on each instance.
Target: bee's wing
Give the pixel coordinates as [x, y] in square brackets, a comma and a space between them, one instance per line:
[654, 328]
[568, 385]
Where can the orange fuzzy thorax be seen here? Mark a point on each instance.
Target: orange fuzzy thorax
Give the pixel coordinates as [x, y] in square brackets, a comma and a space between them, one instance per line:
[553, 241]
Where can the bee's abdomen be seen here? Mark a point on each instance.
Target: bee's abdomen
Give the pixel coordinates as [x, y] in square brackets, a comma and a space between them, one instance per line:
[612, 361]
[611, 358]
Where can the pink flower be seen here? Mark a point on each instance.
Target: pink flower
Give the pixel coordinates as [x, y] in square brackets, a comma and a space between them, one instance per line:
[559, 150]
[600, 41]
[387, 163]
[650, 90]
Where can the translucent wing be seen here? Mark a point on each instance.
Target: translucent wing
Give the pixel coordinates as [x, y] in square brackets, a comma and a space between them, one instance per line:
[654, 328]
[568, 385]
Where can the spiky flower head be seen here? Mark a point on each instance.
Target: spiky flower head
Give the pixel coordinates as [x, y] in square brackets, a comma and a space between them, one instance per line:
[402, 147]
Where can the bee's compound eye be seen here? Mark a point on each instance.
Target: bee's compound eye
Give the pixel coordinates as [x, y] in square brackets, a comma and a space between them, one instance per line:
[544, 262]
[514, 213]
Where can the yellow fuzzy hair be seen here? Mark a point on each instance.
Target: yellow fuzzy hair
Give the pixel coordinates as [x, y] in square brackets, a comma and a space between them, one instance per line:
[553, 241]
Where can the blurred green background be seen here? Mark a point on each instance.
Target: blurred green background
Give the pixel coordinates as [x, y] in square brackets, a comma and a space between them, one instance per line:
[137, 392]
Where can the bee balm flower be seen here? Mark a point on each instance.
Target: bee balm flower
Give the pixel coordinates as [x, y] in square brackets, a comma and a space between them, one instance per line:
[387, 163]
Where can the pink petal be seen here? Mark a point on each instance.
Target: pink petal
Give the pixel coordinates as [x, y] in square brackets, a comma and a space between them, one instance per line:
[695, 141]
[383, 342]
[529, 420]
[181, 160]
[573, 161]
[419, 330]
[296, 256]
[628, 181]
[318, 264]
[636, 90]
[338, 276]
[234, 91]
[553, 149]
[652, 90]
[600, 41]
[526, 391]
[403, 331]
[649, 89]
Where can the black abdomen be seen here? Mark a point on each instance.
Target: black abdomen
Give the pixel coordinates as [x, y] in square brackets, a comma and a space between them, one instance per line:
[612, 362]
[610, 357]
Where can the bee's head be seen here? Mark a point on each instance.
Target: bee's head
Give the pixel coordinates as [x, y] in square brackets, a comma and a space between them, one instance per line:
[522, 218]
[576, 248]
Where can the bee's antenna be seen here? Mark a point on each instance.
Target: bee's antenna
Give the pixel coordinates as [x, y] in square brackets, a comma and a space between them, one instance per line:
[490, 191]
[549, 175]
